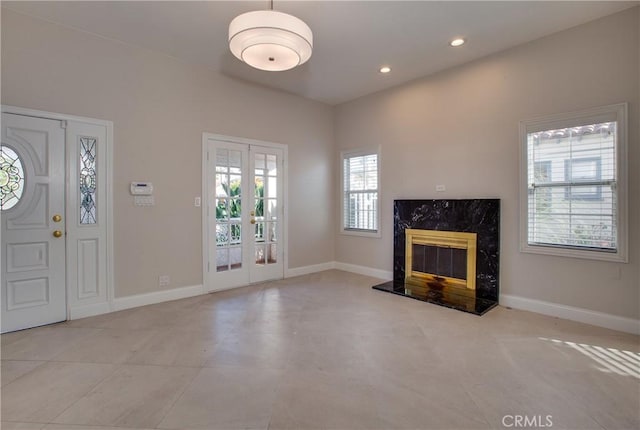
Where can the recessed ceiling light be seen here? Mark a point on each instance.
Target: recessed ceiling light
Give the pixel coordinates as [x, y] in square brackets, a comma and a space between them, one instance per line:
[385, 69]
[457, 42]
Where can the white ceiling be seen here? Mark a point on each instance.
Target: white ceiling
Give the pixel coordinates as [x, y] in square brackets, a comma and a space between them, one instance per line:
[352, 39]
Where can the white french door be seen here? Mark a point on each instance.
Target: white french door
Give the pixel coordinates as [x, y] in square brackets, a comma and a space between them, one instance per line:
[244, 201]
[32, 180]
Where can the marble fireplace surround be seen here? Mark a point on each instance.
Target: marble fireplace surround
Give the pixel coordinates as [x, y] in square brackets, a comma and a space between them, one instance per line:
[480, 216]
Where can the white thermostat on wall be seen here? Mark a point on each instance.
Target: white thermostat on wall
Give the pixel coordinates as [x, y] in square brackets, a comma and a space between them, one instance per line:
[141, 188]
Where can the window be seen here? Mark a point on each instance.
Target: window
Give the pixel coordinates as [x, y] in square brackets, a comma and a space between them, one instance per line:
[573, 185]
[360, 173]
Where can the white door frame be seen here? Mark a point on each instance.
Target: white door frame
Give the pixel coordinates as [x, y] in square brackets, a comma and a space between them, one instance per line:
[77, 309]
[205, 199]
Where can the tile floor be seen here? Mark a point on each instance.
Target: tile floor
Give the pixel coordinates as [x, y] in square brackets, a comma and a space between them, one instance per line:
[322, 351]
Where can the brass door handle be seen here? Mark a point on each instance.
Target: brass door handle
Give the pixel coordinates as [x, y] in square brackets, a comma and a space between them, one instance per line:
[56, 218]
[253, 221]
[57, 233]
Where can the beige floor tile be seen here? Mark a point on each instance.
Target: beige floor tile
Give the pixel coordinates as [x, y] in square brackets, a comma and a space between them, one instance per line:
[432, 397]
[226, 398]
[249, 349]
[133, 396]
[279, 321]
[145, 318]
[316, 400]
[100, 321]
[106, 346]
[329, 352]
[5, 425]
[81, 427]
[44, 343]
[510, 393]
[612, 400]
[48, 390]
[8, 338]
[399, 353]
[177, 347]
[12, 370]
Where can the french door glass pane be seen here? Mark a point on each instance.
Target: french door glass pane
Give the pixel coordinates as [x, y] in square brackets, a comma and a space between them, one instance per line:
[222, 234]
[222, 260]
[259, 209]
[260, 256]
[260, 231]
[272, 232]
[235, 257]
[273, 254]
[272, 165]
[272, 187]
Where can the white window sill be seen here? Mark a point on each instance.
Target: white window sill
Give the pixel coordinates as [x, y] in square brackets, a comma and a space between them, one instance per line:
[558, 251]
[362, 233]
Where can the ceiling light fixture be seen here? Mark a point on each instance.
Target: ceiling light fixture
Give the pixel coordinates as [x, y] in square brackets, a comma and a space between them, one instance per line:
[385, 69]
[457, 42]
[270, 40]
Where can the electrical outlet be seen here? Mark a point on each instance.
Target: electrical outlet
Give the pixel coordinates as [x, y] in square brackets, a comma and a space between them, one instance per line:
[440, 188]
[164, 280]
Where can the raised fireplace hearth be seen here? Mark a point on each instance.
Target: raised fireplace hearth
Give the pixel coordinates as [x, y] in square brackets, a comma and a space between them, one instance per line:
[447, 252]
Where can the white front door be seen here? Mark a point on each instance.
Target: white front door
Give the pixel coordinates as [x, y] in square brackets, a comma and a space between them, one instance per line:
[245, 200]
[32, 180]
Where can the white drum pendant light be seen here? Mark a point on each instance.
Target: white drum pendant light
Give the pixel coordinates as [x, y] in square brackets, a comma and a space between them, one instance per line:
[270, 40]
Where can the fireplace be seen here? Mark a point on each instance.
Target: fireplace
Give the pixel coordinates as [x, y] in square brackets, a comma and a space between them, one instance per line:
[447, 252]
[440, 258]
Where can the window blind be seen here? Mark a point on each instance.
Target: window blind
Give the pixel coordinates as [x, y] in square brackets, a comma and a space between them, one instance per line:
[572, 177]
[361, 192]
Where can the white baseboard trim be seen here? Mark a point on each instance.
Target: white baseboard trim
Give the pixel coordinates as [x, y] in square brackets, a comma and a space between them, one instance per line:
[600, 319]
[121, 303]
[363, 270]
[353, 268]
[84, 311]
[305, 270]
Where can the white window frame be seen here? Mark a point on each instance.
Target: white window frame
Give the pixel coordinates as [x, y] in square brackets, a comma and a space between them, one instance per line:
[350, 154]
[616, 112]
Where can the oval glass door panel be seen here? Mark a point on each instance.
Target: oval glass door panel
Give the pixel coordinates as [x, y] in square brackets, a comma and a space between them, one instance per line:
[11, 178]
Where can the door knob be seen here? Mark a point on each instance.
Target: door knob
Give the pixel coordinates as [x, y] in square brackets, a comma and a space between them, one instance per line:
[56, 218]
[253, 221]
[57, 233]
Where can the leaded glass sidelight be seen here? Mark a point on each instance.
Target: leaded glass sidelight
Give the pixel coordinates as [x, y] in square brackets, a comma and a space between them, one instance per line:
[88, 180]
[11, 178]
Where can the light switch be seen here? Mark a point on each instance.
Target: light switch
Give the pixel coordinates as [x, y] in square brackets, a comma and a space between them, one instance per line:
[197, 201]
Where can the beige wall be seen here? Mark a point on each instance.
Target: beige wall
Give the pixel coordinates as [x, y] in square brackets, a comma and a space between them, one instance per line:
[460, 128]
[160, 107]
